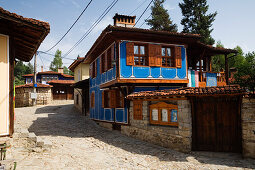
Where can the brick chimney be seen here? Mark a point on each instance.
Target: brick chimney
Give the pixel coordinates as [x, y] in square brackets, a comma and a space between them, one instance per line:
[124, 20]
[60, 70]
[41, 68]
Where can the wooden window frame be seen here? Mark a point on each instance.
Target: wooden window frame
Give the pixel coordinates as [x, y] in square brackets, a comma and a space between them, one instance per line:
[172, 57]
[139, 55]
[137, 111]
[102, 64]
[112, 101]
[92, 99]
[162, 105]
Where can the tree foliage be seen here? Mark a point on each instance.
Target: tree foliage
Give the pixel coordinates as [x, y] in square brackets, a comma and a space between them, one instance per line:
[245, 75]
[196, 20]
[57, 62]
[22, 69]
[160, 18]
[218, 61]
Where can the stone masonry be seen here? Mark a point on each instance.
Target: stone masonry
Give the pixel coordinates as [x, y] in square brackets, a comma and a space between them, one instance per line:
[23, 99]
[177, 138]
[248, 127]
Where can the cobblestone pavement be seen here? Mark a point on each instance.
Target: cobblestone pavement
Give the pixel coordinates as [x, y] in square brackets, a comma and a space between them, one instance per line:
[79, 143]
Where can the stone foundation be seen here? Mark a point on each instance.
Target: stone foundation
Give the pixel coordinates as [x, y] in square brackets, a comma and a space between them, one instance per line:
[23, 99]
[177, 138]
[248, 127]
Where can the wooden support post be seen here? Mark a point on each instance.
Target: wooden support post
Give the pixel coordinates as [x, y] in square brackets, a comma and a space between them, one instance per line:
[200, 70]
[226, 69]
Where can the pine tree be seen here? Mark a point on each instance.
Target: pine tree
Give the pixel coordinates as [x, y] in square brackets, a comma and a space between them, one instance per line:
[57, 62]
[196, 21]
[160, 18]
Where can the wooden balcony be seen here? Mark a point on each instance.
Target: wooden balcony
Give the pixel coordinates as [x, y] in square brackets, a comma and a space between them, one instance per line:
[219, 76]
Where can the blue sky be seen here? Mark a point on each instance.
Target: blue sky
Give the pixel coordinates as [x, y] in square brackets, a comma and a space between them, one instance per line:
[234, 24]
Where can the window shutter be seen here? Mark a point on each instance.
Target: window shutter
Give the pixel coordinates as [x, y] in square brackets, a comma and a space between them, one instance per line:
[137, 109]
[103, 99]
[130, 53]
[178, 56]
[92, 100]
[106, 61]
[112, 53]
[154, 55]
[112, 99]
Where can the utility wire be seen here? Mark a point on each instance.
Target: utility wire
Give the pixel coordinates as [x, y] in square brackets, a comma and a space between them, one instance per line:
[106, 11]
[54, 55]
[138, 7]
[41, 59]
[70, 27]
[145, 21]
[143, 12]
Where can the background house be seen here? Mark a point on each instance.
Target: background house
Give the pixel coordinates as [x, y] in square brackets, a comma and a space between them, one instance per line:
[81, 86]
[19, 39]
[45, 76]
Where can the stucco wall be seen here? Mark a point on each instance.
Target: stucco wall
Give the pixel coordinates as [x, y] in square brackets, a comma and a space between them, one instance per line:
[178, 138]
[248, 127]
[4, 86]
[22, 96]
[84, 72]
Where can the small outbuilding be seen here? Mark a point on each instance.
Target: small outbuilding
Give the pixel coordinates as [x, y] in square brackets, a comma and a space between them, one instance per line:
[62, 89]
[23, 95]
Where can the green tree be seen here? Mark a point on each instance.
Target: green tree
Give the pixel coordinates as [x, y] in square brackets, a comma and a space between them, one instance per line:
[195, 19]
[160, 18]
[245, 75]
[218, 61]
[235, 61]
[57, 62]
[21, 69]
[67, 71]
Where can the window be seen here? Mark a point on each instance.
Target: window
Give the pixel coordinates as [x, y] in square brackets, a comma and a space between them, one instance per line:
[102, 63]
[93, 69]
[164, 114]
[140, 58]
[153, 55]
[138, 110]
[112, 99]
[168, 59]
[29, 80]
[109, 58]
[92, 99]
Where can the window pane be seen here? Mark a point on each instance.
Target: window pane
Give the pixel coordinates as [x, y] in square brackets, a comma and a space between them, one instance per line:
[154, 114]
[142, 51]
[163, 51]
[136, 49]
[136, 60]
[174, 115]
[164, 115]
[168, 51]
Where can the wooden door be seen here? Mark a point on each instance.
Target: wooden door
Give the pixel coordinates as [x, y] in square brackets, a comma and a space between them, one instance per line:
[216, 124]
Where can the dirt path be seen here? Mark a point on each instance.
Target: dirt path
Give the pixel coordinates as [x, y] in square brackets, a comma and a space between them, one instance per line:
[79, 143]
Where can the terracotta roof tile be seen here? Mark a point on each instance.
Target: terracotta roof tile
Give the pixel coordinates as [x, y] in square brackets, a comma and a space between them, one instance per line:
[48, 72]
[39, 85]
[61, 82]
[46, 25]
[188, 91]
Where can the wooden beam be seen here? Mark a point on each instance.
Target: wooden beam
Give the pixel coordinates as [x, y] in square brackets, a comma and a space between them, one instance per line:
[226, 69]
[150, 81]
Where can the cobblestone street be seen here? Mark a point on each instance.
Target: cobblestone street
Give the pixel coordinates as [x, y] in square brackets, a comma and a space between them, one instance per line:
[79, 143]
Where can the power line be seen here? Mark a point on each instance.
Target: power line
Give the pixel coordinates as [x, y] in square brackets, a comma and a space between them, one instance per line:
[143, 12]
[145, 20]
[54, 55]
[106, 11]
[138, 7]
[70, 27]
[41, 59]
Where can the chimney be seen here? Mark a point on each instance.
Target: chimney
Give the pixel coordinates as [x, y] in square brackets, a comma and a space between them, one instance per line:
[124, 20]
[41, 68]
[60, 70]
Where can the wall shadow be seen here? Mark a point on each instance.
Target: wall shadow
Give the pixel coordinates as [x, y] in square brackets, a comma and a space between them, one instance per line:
[65, 120]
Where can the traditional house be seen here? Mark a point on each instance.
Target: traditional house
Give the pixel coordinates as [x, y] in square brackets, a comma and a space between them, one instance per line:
[125, 59]
[45, 76]
[81, 86]
[19, 39]
[62, 89]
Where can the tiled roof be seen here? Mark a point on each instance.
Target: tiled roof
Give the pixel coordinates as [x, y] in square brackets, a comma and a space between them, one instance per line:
[76, 63]
[32, 21]
[48, 72]
[188, 91]
[39, 85]
[61, 82]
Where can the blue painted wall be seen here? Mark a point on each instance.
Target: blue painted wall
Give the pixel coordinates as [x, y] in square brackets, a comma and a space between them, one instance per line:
[151, 72]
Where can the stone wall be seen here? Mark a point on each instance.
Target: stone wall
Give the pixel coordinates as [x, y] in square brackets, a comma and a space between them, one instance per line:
[22, 96]
[248, 127]
[178, 138]
[78, 104]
